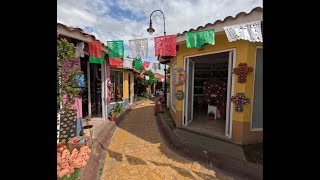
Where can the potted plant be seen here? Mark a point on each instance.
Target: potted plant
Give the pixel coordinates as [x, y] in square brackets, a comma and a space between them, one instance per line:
[211, 116]
[112, 116]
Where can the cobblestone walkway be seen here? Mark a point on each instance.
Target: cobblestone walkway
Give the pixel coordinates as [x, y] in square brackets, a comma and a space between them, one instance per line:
[138, 152]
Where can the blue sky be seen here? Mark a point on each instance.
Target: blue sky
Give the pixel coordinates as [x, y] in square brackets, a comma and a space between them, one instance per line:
[128, 19]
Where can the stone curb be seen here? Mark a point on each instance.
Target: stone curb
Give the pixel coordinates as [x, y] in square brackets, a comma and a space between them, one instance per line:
[99, 148]
[233, 167]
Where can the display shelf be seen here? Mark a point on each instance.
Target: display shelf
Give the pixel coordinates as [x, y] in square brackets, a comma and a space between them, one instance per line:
[210, 70]
[202, 78]
[198, 94]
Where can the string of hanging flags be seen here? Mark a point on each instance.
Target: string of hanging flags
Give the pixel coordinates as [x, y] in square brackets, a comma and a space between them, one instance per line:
[165, 45]
[139, 47]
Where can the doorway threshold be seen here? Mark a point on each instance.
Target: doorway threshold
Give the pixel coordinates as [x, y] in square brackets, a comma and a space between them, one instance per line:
[225, 139]
[96, 119]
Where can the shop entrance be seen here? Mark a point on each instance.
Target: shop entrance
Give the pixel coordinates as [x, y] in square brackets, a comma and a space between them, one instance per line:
[208, 91]
[93, 99]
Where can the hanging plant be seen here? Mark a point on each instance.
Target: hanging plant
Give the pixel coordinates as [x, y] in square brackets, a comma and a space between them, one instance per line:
[179, 95]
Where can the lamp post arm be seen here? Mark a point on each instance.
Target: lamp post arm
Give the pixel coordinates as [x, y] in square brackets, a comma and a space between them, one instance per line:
[163, 17]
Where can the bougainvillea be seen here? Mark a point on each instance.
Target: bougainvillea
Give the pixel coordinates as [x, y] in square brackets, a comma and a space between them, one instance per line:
[68, 72]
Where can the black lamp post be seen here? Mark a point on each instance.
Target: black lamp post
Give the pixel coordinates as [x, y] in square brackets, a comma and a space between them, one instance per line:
[151, 30]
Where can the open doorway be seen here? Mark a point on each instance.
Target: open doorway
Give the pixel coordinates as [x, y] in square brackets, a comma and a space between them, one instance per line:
[93, 92]
[208, 91]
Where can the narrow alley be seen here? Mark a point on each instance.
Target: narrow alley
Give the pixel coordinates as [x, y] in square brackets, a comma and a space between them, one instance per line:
[137, 151]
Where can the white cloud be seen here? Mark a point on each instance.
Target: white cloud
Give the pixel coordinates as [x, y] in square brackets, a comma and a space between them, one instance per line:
[180, 15]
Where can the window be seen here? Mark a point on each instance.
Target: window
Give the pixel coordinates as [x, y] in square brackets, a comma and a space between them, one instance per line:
[257, 109]
[116, 78]
[173, 87]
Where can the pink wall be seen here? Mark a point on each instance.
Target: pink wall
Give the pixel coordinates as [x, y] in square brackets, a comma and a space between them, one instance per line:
[107, 80]
[78, 103]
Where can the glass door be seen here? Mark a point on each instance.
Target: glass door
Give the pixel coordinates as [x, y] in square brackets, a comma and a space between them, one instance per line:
[189, 92]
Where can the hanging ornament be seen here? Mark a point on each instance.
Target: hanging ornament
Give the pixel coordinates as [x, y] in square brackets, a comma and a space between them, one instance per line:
[138, 63]
[155, 80]
[127, 62]
[139, 47]
[250, 31]
[154, 66]
[165, 45]
[179, 95]
[95, 48]
[199, 38]
[95, 59]
[115, 61]
[182, 76]
[115, 49]
[242, 71]
[79, 49]
[240, 99]
[145, 64]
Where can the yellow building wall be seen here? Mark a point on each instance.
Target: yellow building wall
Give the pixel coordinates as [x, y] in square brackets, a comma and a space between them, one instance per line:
[126, 84]
[245, 53]
[131, 86]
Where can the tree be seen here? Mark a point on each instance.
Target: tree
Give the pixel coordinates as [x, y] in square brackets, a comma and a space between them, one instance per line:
[151, 76]
[67, 77]
[140, 85]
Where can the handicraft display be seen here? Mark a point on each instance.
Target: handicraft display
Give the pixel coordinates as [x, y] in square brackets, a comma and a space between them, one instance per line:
[215, 92]
[182, 76]
[240, 99]
[242, 71]
[179, 95]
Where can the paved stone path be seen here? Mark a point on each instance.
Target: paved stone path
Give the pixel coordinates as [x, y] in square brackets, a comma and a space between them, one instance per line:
[137, 151]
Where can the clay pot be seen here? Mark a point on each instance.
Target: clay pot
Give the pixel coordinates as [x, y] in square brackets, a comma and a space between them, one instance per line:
[61, 146]
[211, 117]
[112, 117]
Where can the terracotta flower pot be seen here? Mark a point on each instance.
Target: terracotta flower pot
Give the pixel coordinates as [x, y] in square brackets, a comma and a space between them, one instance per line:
[112, 117]
[211, 117]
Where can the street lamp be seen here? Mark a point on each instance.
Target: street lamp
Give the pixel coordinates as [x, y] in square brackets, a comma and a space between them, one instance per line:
[151, 30]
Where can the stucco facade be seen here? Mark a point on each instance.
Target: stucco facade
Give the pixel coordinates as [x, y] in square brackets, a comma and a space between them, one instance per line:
[244, 52]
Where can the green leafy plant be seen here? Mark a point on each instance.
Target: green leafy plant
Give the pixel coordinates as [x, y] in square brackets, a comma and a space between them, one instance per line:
[117, 109]
[147, 95]
[67, 76]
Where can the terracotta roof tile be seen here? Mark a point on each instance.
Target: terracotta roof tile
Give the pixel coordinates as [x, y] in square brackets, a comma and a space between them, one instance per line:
[256, 9]
[81, 31]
